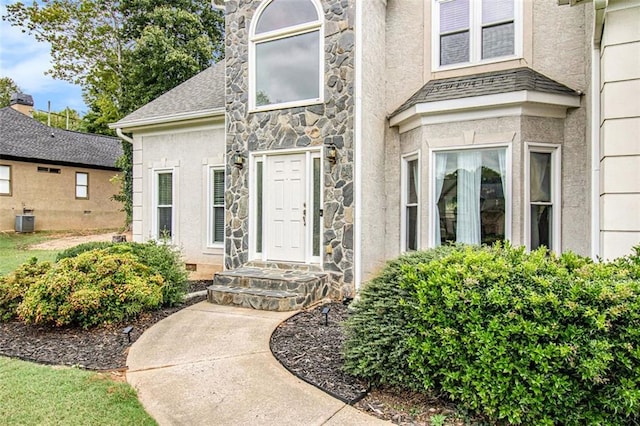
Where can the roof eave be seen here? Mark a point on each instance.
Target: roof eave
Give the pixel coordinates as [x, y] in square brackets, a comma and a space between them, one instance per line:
[128, 125]
[524, 102]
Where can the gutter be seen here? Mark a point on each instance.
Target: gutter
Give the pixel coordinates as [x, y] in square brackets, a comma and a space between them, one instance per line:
[171, 118]
[357, 154]
[123, 136]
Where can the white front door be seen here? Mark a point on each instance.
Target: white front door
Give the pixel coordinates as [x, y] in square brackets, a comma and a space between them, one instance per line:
[285, 202]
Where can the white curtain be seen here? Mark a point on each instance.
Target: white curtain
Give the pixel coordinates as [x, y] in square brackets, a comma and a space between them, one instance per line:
[502, 164]
[469, 180]
[441, 171]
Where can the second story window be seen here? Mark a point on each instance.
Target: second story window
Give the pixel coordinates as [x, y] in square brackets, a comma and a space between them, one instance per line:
[286, 55]
[474, 31]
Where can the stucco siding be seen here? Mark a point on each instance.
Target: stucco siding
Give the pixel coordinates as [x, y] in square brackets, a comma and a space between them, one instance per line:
[372, 191]
[189, 153]
[52, 198]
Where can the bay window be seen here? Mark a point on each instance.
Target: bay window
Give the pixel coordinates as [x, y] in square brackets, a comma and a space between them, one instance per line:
[542, 194]
[410, 197]
[470, 196]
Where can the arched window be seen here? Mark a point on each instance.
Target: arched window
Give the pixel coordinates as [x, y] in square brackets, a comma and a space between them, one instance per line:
[286, 54]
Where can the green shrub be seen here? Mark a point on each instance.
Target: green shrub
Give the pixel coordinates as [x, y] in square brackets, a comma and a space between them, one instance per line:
[160, 258]
[92, 288]
[526, 338]
[14, 285]
[82, 248]
[377, 332]
[164, 260]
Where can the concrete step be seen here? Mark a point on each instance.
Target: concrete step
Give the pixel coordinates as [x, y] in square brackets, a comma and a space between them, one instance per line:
[289, 266]
[301, 282]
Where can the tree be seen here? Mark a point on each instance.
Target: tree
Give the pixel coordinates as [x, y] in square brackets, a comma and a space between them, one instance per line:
[7, 88]
[123, 53]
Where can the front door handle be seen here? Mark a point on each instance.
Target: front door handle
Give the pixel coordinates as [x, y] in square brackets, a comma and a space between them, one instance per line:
[304, 214]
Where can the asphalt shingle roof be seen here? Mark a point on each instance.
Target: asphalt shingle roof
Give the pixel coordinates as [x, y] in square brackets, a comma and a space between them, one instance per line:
[489, 83]
[22, 137]
[202, 92]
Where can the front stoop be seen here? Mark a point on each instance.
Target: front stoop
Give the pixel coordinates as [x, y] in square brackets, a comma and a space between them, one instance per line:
[268, 288]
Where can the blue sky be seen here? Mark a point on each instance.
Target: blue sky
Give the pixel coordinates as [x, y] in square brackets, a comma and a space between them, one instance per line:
[25, 60]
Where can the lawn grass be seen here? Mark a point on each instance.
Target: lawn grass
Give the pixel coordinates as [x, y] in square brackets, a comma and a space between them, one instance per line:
[34, 394]
[14, 249]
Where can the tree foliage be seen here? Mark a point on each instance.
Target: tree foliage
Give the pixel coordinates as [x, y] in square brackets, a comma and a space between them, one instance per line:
[7, 88]
[123, 53]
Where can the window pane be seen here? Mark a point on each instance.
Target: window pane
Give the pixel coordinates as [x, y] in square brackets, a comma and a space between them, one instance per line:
[288, 69]
[259, 207]
[540, 176]
[4, 187]
[165, 189]
[81, 179]
[454, 16]
[454, 48]
[541, 226]
[81, 192]
[218, 187]
[164, 222]
[218, 224]
[496, 11]
[471, 205]
[286, 13]
[316, 207]
[412, 176]
[498, 40]
[5, 172]
[412, 228]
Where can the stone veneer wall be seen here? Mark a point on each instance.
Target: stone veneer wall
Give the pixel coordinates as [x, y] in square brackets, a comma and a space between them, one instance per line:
[301, 127]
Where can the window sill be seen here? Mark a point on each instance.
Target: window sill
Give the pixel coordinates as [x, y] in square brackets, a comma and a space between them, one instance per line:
[467, 65]
[296, 104]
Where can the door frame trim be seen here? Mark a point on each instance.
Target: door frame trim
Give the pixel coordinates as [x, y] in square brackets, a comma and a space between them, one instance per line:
[257, 156]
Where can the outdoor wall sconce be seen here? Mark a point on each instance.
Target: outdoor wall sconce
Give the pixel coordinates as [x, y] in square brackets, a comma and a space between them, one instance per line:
[325, 312]
[332, 153]
[238, 160]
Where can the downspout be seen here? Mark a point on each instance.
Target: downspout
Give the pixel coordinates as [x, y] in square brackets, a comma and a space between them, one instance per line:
[123, 136]
[357, 147]
[598, 19]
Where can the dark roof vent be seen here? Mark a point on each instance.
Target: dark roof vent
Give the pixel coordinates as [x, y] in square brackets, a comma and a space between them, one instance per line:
[21, 99]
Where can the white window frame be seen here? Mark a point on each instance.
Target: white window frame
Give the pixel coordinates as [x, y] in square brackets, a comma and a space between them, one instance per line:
[154, 186]
[507, 191]
[80, 186]
[279, 34]
[406, 159]
[211, 206]
[475, 36]
[9, 180]
[556, 191]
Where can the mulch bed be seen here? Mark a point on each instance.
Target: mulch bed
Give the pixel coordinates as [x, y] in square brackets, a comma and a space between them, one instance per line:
[312, 351]
[99, 348]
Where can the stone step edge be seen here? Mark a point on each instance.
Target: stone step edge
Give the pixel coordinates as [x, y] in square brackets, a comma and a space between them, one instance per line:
[305, 276]
[279, 294]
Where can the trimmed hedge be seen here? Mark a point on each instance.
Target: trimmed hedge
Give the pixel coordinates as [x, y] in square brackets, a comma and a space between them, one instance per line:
[14, 285]
[90, 286]
[162, 259]
[526, 338]
[90, 289]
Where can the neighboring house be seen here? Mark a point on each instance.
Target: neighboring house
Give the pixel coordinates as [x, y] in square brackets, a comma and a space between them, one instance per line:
[357, 130]
[63, 178]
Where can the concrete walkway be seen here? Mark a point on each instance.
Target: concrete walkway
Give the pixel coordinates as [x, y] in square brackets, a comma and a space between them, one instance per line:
[211, 365]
